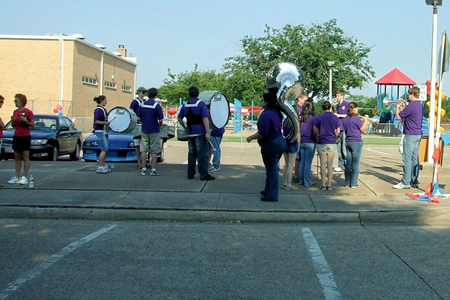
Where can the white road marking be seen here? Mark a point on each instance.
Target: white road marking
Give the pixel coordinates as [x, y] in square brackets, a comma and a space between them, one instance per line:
[38, 269]
[323, 270]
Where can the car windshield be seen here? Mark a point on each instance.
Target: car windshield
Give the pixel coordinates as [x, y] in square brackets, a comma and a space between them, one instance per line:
[41, 123]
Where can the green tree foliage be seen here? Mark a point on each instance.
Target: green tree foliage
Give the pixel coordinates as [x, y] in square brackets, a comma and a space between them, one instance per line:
[308, 47]
[176, 85]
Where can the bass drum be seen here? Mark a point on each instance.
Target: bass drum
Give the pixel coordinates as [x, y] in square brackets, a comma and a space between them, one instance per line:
[219, 108]
[123, 119]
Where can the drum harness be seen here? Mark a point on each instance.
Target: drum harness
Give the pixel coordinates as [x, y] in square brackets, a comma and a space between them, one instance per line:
[105, 114]
[191, 118]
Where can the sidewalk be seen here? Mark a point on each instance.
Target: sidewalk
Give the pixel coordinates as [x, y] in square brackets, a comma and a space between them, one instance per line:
[73, 190]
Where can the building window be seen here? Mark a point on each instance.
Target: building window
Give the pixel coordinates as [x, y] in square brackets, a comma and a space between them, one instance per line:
[126, 88]
[110, 85]
[89, 80]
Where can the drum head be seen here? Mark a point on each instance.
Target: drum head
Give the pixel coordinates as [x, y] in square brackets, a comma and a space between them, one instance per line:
[219, 110]
[123, 120]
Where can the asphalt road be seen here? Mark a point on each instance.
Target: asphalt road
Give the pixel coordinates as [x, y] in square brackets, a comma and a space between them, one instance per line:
[79, 259]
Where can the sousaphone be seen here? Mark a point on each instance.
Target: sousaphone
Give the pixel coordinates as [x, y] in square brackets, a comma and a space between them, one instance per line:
[289, 82]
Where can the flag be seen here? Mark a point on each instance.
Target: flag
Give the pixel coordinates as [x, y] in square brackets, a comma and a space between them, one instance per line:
[444, 54]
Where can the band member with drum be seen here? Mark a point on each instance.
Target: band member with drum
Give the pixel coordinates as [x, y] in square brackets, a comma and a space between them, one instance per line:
[198, 133]
[101, 125]
[341, 112]
[151, 116]
[272, 144]
[135, 105]
[21, 120]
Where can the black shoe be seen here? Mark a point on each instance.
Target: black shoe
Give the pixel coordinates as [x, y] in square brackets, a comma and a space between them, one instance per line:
[263, 193]
[415, 185]
[190, 176]
[269, 200]
[207, 177]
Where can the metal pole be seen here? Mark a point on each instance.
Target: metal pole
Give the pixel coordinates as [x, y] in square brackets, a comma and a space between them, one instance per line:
[430, 147]
[331, 83]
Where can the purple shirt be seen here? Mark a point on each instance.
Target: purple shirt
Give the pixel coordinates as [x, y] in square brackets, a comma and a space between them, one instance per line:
[269, 125]
[327, 123]
[412, 116]
[307, 130]
[136, 104]
[100, 114]
[342, 109]
[199, 110]
[150, 113]
[218, 131]
[351, 126]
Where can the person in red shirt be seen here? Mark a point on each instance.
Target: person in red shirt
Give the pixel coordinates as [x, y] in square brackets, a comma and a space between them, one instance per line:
[2, 126]
[22, 119]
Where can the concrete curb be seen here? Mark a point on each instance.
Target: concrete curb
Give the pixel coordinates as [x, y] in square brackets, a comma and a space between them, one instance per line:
[370, 217]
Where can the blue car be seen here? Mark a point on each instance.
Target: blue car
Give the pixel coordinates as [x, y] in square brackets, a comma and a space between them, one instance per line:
[120, 148]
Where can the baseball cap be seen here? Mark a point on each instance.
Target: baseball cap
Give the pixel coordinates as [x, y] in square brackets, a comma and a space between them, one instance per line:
[141, 89]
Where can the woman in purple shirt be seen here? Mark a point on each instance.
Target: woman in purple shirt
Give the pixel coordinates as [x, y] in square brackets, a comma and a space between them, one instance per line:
[272, 144]
[307, 144]
[353, 127]
[326, 129]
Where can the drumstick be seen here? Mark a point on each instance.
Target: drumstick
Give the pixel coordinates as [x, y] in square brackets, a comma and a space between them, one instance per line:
[112, 120]
[212, 147]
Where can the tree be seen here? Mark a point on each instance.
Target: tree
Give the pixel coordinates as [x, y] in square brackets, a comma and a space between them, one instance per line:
[308, 47]
[176, 85]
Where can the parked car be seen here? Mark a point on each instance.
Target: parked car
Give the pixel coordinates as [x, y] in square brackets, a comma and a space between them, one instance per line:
[120, 146]
[52, 136]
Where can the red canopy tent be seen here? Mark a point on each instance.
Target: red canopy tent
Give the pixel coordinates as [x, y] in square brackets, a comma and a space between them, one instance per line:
[395, 77]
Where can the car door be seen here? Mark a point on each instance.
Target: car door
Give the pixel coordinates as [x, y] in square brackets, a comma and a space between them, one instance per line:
[72, 135]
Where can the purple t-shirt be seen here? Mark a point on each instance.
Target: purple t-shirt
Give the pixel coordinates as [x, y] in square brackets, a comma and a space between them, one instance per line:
[100, 114]
[199, 110]
[269, 125]
[150, 113]
[352, 124]
[327, 123]
[136, 104]
[412, 116]
[218, 131]
[307, 130]
[342, 109]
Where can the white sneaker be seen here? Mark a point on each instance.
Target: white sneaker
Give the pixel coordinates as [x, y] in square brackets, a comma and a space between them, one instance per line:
[338, 169]
[13, 180]
[23, 180]
[400, 186]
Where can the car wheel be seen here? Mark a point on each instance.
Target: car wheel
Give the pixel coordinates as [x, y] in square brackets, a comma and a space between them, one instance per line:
[54, 154]
[75, 155]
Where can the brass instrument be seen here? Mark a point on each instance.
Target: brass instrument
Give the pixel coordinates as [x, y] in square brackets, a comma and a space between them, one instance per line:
[375, 120]
[388, 103]
[289, 81]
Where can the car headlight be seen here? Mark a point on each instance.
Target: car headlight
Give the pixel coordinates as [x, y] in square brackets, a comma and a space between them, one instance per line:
[38, 142]
[91, 144]
[130, 145]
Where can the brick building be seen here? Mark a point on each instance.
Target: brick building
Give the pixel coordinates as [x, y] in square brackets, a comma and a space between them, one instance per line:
[66, 70]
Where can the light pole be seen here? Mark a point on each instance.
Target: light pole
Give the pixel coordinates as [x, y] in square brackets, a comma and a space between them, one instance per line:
[435, 4]
[331, 64]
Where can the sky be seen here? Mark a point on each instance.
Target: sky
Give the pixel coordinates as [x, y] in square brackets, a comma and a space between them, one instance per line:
[177, 34]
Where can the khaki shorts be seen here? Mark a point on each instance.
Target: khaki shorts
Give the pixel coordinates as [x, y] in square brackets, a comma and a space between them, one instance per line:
[326, 149]
[150, 142]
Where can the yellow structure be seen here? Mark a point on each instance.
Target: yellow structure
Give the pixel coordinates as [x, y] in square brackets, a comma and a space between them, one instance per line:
[66, 70]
